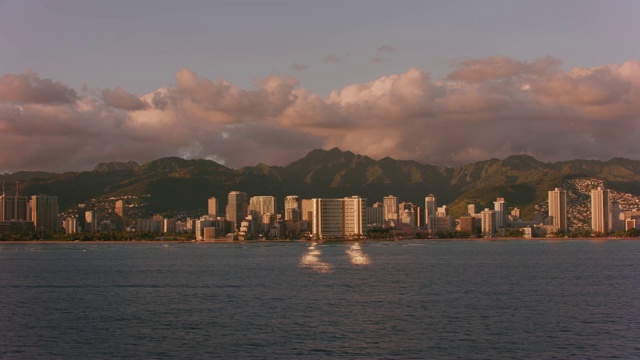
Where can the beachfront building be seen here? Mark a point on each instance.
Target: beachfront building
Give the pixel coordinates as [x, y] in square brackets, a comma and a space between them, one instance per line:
[338, 218]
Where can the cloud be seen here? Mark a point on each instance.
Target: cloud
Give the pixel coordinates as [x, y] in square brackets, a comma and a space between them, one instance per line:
[121, 99]
[299, 67]
[501, 67]
[484, 108]
[384, 48]
[30, 88]
[332, 58]
[383, 51]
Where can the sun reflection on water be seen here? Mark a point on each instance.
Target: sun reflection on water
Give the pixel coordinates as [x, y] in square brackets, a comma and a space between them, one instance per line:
[311, 260]
[356, 256]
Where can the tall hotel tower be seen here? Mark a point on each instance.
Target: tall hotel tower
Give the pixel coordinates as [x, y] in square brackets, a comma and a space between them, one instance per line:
[13, 208]
[338, 218]
[430, 209]
[600, 210]
[212, 207]
[558, 209]
[390, 204]
[120, 217]
[500, 207]
[260, 205]
[292, 208]
[488, 221]
[44, 212]
[237, 207]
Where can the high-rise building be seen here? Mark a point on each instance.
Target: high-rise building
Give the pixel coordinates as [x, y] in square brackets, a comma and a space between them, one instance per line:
[417, 213]
[500, 207]
[617, 217]
[81, 221]
[515, 213]
[13, 207]
[307, 210]
[169, 226]
[558, 209]
[430, 209]
[237, 207]
[212, 207]
[442, 211]
[90, 221]
[260, 205]
[292, 208]
[390, 204]
[488, 221]
[338, 218]
[120, 217]
[467, 224]
[44, 212]
[600, 210]
[70, 225]
[406, 214]
[354, 216]
[471, 209]
[375, 214]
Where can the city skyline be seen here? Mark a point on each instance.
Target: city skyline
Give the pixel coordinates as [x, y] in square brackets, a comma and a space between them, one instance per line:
[85, 82]
[328, 218]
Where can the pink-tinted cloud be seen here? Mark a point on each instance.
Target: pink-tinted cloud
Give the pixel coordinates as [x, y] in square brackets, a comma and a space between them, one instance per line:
[500, 67]
[30, 88]
[485, 108]
[120, 99]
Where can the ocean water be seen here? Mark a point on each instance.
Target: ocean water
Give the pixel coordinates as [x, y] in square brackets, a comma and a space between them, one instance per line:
[297, 300]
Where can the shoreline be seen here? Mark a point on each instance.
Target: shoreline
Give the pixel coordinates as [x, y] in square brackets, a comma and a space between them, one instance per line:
[164, 241]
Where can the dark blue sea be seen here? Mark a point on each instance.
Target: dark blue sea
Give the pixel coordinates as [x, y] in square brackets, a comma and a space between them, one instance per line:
[297, 300]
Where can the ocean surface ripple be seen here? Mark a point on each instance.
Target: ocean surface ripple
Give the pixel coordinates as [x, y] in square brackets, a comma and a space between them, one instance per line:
[295, 300]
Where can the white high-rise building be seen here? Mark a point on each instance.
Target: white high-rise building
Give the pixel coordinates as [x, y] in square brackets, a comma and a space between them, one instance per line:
[442, 211]
[406, 214]
[390, 204]
[488, 221]
[338, 218]
[292, 208]
[600, 210]
[121, 220]
[500, 207]
[430, 209]
[260, 205]
[354, 216]
[558, 209]
[306, 213]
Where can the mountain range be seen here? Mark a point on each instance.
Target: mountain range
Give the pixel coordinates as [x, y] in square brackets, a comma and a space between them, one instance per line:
[173, 184]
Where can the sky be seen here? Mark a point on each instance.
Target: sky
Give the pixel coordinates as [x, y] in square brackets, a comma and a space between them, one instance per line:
[243, 82]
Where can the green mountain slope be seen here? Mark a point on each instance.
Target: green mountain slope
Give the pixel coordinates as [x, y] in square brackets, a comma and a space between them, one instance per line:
[175, 184]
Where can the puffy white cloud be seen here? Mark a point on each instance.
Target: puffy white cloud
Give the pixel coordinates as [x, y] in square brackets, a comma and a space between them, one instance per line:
[485, 108]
